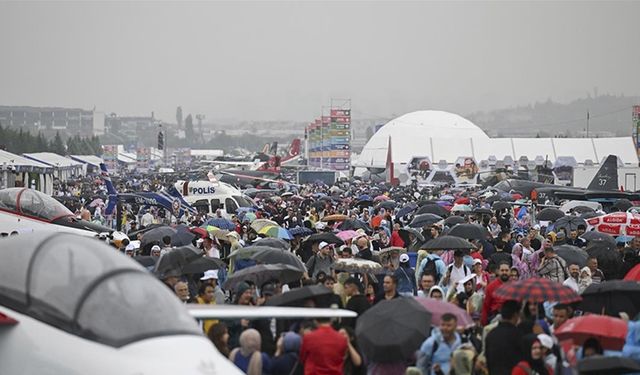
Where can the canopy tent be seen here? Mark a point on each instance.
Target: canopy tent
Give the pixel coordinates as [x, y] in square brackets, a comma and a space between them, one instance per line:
[16, 170]
[91, 162]
[63, 168]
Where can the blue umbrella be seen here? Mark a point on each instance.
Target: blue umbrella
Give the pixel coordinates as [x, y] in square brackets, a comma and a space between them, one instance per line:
[365, 197]
[300, 231]
[221, 223]
[407, 209]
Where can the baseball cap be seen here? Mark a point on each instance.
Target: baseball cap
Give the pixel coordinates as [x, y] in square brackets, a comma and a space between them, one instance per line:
[477, 261]
[155, 248]
[536, 227]
[210, 274]
[322, 245]
[545, 340]
[404, 258]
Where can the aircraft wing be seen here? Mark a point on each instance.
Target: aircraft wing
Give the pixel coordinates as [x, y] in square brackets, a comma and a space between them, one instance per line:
[230, 163]
[257, 312]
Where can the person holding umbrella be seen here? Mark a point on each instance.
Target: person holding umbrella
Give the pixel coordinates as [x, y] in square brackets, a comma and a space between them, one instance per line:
[435, 353]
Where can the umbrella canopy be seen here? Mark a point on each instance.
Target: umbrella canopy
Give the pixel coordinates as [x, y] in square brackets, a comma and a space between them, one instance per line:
[420, 221]
[297, 296]
[262, 273]
[146, 261]
[608, 260]
[610, 332]
[406, 326]
[220, 222]
[278, 256]
[354, 225]
[595, 236]
[570, 223]
[537, 289]
[156, 234]
[300, 231]
[392, 249]
[549, 214]
[326, 237]
[433, 208]
[335, 217]
[356, 265]
[617, 223]
[453, 220]
[200, 232]
[203, 264]
[500, 205]
[407, 209]
[258, 224]
[482, 211]
[447, 243]
[633, 274]
[601, 365]
[247, 252]
[612, 297]
[469, 231]
[404, 234]
[438, 308]
[274, 231]
[172, 262]
[381, 198]
[589, 215]
[572, 254]
[388, 205]
[273, 242]
[346, 235]
[623, 204]
[461, 208]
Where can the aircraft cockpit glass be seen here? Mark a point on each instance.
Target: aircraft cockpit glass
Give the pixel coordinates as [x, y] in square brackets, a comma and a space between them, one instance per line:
[37, 204]
[84, 287]
[135, 315]
[9, 198]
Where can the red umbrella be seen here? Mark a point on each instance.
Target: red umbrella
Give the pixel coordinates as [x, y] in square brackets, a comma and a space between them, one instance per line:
[633, 274]
[438, 308]
[463, 200]
[610, 332]
[200, 232]
[537, 289]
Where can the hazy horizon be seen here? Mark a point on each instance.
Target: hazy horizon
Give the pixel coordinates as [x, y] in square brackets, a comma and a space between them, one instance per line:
[284, 60]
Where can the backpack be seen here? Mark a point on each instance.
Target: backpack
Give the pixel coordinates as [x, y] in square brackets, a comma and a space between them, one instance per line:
[466, 269]
[431, 269]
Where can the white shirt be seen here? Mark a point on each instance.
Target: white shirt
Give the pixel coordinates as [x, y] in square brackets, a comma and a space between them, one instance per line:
[571, 283]
[457, 274]
[146, 220]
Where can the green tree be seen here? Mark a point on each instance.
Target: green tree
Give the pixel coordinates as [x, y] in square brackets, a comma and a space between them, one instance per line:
[57, 146]
[188, 128]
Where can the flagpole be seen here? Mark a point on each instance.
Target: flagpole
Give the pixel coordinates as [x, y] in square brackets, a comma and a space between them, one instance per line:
[587, 123]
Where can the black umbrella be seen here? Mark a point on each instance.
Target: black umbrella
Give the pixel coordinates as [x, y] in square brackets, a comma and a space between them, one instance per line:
[469, 231]
[156, 235]
[182, 237]
[569, 223]
[589, 215]
[453, 220]
[420, 221]
[594, 236]
[262, 273]
[500, 205]
[406, 325]
[482, 211]
[612, 297]
[146, 260]
[623, 204]
[173, 261]
[387, 205]
[606, 365]
[247, 252]
[608, 260]
[572, 254]
[326, 237]
[549, 214]
[354, 225]
[203, 264]
[144, 230]
[404, 234]
[273, 242]
[447, 243]
[582, 209]
[297, 296]
[433, 208]
[278, 256]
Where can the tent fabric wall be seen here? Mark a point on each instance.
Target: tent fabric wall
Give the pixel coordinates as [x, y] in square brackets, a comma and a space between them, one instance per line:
[580, 148]
[533, 147]
[621, 146]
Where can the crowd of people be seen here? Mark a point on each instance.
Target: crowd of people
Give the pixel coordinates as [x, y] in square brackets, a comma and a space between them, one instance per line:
[382, 224]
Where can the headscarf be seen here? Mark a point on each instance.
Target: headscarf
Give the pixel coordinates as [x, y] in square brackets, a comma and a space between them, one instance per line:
[435, 287]
[536, 365]
[586, 280]
[518, 263]
[291, 342]
[462, 360]
[250, 342]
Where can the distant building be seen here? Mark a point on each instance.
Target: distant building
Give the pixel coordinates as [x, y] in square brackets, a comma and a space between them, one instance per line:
[131, 129]
[49, 120]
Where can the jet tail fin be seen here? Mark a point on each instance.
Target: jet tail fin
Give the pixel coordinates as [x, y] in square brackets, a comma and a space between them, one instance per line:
[607, 176]
[111, 190]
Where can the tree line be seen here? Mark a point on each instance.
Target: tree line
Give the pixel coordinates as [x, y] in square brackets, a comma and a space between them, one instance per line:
[18, 141]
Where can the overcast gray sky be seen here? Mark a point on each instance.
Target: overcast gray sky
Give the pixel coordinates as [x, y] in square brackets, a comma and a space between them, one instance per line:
[284, 60]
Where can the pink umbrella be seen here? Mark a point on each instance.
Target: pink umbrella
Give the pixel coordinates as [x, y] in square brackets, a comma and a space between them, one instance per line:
[381, 198]
[346, 235]
[438, 308]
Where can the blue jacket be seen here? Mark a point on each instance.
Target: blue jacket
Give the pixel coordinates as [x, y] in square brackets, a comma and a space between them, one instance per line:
[406, 280]
[427, 357]
[441, 268]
